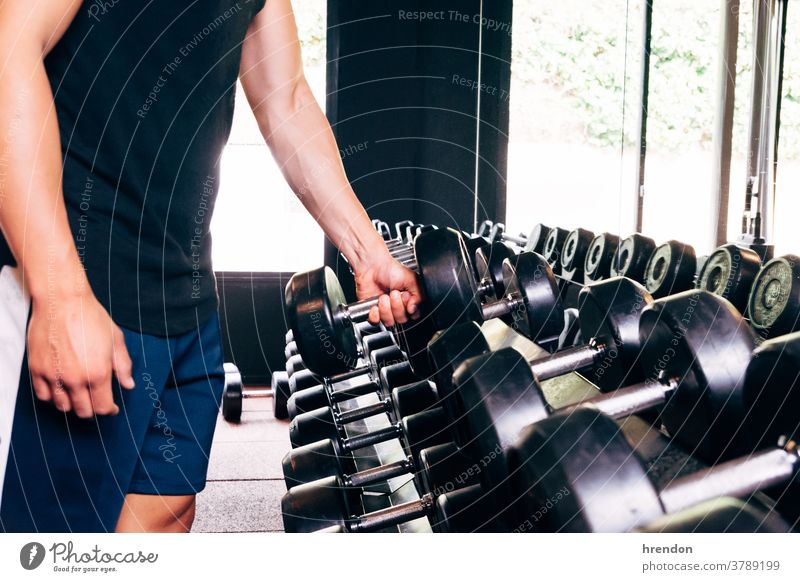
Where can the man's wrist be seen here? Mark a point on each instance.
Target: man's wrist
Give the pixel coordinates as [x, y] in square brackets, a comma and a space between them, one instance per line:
[364, 250]
[57, 282]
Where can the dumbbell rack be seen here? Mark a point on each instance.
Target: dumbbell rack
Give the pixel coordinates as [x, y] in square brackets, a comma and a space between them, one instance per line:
[385, 494]
[665, 459]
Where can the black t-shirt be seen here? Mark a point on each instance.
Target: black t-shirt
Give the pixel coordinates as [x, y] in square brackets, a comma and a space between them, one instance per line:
[144, 92]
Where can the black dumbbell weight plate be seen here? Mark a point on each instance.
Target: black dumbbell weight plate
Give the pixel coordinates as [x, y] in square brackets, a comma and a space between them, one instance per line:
[671, 269]
[774, 304]
[582, 470]
[600, 255]
[232, 395]
[324, 338]
[489, 266]
[540, 316]
[280, 394]
[537, 239]
[320, 458]
[632, 256]
[729, 272]
[313, 506]
[553, 246]
[447, 275]
[610, 313]
[772, 386]
[709, 360]
[575, 247]
[489, 417]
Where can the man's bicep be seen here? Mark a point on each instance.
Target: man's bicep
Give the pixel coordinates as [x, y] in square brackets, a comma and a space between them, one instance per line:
[36, 23]
[271, 59]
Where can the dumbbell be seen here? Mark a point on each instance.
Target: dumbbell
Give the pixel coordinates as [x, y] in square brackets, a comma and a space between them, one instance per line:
[694, 366]
[608, 486]
[458, 511]
[235, 392]
[312, 424]
[670, 269]
[774, 302]
[322, 321]
[730, 271]
[632, 256]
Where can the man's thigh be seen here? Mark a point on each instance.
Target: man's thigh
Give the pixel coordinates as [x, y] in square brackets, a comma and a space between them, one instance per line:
[71, 474]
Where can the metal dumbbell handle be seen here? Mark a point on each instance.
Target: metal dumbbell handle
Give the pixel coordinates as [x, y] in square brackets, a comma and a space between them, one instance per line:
[368, 439]
[363, 412]
[568, 360]
[391, 516]
[257, 392]
[377, 474]
[497, 232]
[631, 399]
[491, 310]
[518, 240]
[736, 478]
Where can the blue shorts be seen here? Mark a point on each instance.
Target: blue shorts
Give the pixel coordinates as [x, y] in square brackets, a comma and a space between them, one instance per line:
[67, 474]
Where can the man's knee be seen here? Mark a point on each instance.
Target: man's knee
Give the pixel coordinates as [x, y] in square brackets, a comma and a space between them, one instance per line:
[154, 513]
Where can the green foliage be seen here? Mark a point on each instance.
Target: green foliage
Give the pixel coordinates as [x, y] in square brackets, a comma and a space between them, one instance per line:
[587, 55]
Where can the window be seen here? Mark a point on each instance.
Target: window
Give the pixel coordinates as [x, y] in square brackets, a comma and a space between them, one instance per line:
[680, 127]
[575, 78]
[787, 201]
[259, 225]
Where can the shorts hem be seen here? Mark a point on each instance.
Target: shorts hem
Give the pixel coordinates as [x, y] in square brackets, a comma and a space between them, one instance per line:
[141, 488]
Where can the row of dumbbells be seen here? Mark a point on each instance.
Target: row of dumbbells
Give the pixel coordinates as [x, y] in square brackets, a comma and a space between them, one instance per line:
[622, 401]
[768, 294]
[597, 350]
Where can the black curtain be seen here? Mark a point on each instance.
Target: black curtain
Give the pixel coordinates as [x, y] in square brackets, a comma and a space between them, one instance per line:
[418, 97]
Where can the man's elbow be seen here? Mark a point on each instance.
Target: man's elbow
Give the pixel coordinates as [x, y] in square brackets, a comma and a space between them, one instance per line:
[283, 106]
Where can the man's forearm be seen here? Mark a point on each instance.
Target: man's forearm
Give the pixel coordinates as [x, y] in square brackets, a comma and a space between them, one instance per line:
[302, 142]
[32, 213]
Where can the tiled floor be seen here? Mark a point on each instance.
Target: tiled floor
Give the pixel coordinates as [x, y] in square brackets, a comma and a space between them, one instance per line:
[245, 479]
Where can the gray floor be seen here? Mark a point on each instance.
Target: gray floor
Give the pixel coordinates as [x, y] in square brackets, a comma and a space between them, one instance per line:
[245, 480]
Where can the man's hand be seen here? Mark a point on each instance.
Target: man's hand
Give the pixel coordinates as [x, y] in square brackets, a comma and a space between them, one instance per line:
[398, 288]
[73, 349]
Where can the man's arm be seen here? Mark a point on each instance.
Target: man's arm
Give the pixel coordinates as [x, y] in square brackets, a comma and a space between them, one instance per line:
[302, 142]
[72, 343]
